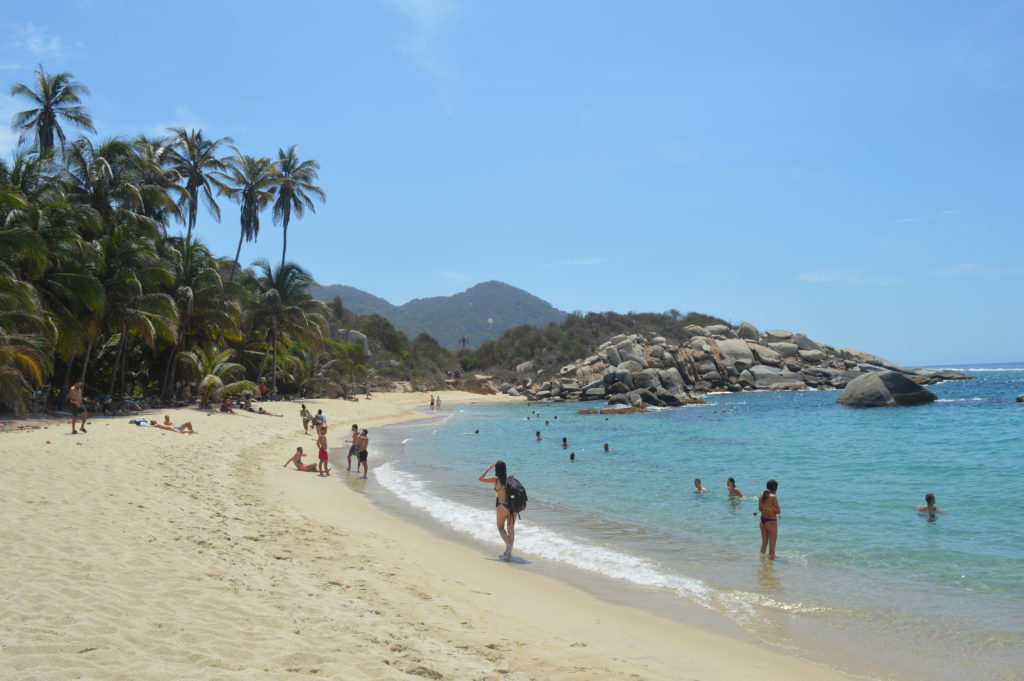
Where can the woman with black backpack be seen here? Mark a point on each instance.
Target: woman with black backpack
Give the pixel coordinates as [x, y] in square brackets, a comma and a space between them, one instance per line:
[506, 517]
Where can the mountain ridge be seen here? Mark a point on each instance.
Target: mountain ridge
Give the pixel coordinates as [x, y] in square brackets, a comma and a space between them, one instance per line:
[481, 313]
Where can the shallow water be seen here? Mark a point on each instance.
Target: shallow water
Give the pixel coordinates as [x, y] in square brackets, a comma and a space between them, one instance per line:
[863, 581]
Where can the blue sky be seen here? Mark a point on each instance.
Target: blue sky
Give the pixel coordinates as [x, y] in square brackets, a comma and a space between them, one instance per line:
[854, 171]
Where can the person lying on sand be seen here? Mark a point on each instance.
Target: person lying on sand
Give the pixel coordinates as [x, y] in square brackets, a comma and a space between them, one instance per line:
[297, 460]
[267, 413]
[167, 425]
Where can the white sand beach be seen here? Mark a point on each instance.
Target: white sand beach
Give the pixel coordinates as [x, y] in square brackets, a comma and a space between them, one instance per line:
[136, 553]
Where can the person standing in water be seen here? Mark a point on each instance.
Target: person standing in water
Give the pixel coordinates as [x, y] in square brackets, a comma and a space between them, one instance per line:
[364, 443]
[768, 505]
[929, 506]
[697, 487]
[734, 491]
[353, 450]
[506, 519]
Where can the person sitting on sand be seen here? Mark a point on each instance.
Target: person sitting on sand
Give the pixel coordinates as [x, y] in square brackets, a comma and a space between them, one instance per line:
[734, 491]
[697, 487]
[167, 425]
[297, 460]
[226, 407]
[929, 506]
[247, 405]
[263, 411]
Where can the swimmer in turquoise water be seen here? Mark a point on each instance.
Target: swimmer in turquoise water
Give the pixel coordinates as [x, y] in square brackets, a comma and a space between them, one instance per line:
[929, 506]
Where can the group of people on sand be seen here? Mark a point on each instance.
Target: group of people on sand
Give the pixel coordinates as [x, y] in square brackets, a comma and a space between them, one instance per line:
[358, 445]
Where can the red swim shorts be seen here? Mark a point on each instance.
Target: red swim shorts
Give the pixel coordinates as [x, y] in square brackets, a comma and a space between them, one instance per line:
[323, 455]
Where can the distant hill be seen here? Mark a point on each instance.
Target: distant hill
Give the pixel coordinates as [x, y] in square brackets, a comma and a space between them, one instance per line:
[481, 313]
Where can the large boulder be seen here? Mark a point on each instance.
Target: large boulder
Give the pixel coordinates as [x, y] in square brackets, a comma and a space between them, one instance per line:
[694, 331]
[720, 330]
[764, 354]
[784, 349]
[611, 356]
[772, 378]
[777, 335]
[1020, 398]
[747, 331]
[812, 355]
[805, 343]
[736, 352]
[631, 352]
[525, 367]
[884, 389]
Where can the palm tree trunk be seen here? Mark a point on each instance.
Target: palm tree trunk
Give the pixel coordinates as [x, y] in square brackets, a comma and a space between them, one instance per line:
[117, 364]
[273, 369]
[238, 252]
[63, 396]
[85, 362]
[284, 248]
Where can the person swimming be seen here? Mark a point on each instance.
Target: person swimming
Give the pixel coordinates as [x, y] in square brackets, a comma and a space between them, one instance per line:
[697, 487]
[929, 506]
[730, 484]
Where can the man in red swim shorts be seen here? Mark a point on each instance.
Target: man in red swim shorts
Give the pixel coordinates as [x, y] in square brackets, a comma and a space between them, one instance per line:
[321, 442]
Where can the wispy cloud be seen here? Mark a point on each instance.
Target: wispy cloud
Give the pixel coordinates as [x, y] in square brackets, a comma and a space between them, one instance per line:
[429, 17]
[8, 139]
[183, 117]
[977, 271]
[925, 218]
[11, 67]
[582, 262]
[38, 42]
[848, 278]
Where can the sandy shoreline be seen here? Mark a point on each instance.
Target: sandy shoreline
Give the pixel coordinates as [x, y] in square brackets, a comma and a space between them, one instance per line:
[133, 553]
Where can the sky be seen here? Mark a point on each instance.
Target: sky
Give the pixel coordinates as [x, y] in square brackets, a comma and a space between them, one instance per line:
[850, 170]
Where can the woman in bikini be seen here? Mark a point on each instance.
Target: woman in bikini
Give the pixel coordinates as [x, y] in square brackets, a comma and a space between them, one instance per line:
[768, 505]
[506, 518]
[167, 425]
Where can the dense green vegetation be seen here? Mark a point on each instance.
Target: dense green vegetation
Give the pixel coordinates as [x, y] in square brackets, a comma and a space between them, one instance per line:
[575, 338]
[94, 287]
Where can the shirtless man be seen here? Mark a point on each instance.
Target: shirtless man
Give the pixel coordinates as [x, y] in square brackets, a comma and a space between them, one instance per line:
[364, 442]
[167, 425]
[77, 407]
[353, 450]
[297, 460]
[321, 443]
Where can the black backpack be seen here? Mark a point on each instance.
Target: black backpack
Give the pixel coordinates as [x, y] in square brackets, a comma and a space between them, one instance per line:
[515, 495]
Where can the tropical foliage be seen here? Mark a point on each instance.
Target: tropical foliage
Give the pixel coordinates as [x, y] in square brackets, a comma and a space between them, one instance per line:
[94, 284]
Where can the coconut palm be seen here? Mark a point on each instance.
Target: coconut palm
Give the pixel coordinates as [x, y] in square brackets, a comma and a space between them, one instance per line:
[56, 99]
[249, 182]
[295, 190]
[210, 369]
[196, 159]
[285, 309]
[159, 182]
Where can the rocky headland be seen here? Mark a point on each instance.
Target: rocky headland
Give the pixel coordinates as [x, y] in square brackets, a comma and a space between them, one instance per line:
[634, 370]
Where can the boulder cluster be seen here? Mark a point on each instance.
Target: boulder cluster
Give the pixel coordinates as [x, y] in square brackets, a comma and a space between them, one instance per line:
[635, 370]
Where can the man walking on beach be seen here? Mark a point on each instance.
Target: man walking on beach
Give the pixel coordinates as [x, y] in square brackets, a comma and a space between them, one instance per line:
[77, 407]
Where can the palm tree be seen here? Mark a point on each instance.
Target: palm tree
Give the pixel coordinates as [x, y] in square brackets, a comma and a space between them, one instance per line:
[105, 179]
[195, 159]
[285, 309]
[158, 180]
[56, 98]
[294, 187]
[249, 182]
[211, 368]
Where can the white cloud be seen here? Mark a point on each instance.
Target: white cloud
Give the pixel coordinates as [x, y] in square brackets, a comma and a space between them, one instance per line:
[924, 218]
[429, 18]
[848, 278]
[583, 262]
[977, 271]
[11, 67]
[36, 41]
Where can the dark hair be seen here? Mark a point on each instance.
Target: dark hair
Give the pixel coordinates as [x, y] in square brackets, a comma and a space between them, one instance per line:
[501, 472]
[731, 481]
[769, 488]
[929, 498]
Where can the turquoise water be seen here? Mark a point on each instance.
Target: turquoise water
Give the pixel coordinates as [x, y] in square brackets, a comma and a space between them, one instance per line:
[863, 581]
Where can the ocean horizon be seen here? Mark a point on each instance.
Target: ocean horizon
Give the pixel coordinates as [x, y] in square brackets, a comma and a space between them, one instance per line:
[863, 582]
